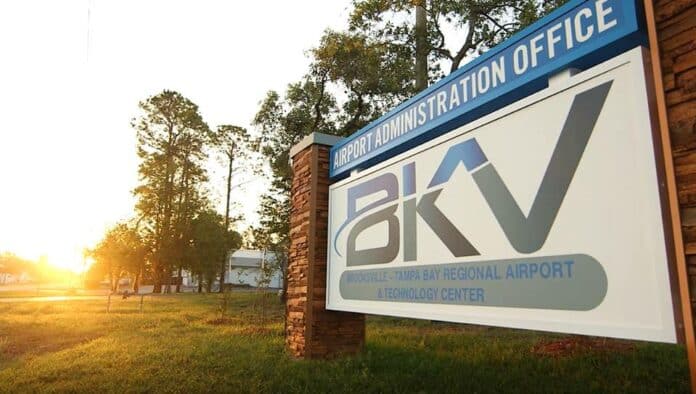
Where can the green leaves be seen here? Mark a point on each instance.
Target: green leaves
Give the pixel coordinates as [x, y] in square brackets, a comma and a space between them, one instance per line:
[172, 138]
[231, 140]
[357, 75]
[122, 251]
[209, 243]
[481, 24]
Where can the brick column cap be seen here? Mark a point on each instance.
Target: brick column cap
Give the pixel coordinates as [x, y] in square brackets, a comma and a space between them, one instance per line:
[314, 138]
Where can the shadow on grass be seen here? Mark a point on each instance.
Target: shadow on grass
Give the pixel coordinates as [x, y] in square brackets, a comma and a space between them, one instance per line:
[388, 368]
[32, 340]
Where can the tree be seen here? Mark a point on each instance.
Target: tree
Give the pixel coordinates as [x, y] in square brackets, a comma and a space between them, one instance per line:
[485, 23]
[171, 138]
[233, 142]
[210, 243]
[307, 106]
[121, 251]
[274, 234]
[282, 122]
[135, 258]
[269, 266]
[375, 76]
[379, 62]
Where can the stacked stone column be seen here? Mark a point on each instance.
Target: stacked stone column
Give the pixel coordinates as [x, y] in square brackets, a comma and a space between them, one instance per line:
[312, 331]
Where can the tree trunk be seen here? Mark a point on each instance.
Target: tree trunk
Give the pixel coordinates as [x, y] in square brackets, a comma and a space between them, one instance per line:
[200, 283]
[223, 267]
[165, 229]
[421, 32]
[168, 283]
[284, 272]
[136, 281]
[157, 278]
[183, 219]
[111, 282]
[178, 280]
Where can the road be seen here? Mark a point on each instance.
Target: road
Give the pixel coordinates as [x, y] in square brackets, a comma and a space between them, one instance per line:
[51, 298]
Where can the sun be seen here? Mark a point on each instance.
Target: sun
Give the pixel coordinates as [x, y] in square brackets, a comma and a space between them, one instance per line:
[76, 263]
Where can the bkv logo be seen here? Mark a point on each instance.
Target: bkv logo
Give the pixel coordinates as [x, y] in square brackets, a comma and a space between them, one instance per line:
[526, 234]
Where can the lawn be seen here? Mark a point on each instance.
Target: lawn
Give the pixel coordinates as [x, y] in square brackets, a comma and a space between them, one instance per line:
[38, 292]
[180, 344]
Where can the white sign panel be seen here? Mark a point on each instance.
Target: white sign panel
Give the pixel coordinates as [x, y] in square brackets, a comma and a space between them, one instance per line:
[544, 215]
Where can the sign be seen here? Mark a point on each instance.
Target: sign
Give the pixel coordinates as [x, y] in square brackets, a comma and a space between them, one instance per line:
[543, 215]
[578, 34]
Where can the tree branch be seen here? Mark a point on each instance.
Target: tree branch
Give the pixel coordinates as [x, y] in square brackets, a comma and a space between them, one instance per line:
[465, 47]
[439, 48]
[501, 27]
[317, 106]
[354, 119]
[444, 52]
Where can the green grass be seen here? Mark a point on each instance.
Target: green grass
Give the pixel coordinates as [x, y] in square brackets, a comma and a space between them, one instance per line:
[175, 346]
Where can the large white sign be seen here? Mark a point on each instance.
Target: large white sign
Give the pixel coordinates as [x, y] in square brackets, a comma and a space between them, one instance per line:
[544, 215]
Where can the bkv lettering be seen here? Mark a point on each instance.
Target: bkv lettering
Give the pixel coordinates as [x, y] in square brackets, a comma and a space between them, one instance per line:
[526, 234]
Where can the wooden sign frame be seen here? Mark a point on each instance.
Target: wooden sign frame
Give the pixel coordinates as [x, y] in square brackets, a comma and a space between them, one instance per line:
[686, 334]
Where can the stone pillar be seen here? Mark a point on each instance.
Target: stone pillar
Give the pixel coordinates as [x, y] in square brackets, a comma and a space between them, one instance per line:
[311, 330]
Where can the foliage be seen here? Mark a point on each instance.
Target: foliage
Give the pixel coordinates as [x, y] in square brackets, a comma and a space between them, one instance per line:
[270, 265]
[175, 228]
[171, 140]
[282, 122]
[122, 251]
[357, 75]
[233, 143]
[372, 76]
[354, 76]
[484, 24]
[209, 244]
[273, 235]
[375, 76]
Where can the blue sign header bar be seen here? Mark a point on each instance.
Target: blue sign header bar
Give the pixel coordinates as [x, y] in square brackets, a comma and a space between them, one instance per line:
[579, 34]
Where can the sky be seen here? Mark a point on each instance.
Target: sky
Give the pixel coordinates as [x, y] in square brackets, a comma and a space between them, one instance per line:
[72, 74]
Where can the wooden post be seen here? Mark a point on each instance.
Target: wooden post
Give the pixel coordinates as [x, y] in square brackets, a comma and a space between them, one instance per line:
[108, 304]
[671, 26]
[311, 330]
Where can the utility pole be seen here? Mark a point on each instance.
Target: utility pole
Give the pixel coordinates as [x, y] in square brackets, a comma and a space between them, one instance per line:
[421, 46]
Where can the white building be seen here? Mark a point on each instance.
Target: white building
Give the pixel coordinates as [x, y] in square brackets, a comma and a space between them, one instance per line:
[244, 267]
[6, 278]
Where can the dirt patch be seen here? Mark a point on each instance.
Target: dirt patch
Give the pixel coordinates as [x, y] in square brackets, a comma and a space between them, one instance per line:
[578, 345]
